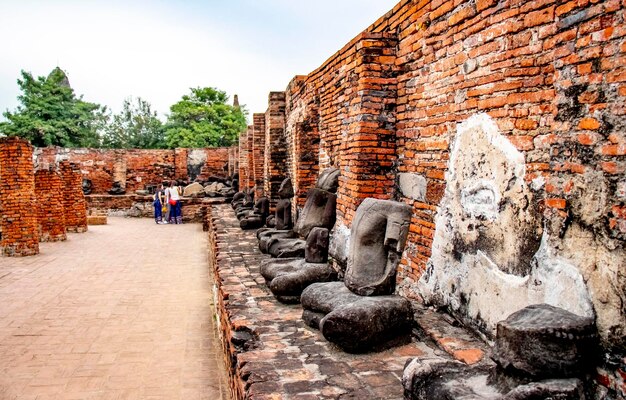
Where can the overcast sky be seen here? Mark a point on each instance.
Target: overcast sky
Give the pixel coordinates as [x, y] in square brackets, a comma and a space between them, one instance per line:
[157, 50]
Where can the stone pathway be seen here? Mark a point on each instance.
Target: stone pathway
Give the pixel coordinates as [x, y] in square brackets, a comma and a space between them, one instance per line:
[273, 354]
[123, 311]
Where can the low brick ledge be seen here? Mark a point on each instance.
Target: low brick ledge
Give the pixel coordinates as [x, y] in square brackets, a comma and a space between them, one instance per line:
[270, 352]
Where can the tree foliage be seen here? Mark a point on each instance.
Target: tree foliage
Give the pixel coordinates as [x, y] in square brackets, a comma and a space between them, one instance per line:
[203, 119]
[51, 114]
[136, 126]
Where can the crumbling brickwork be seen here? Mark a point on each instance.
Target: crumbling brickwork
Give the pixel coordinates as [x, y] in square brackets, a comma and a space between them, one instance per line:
[74, 205]
[275, 169]
[302, 139]
[386, 107]
[49, 190]
[137, 167]
[17, 194]
[244, 166]
[258, 152]
[233, 160]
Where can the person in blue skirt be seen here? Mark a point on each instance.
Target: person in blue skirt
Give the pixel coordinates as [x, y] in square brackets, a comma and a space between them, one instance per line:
[158, 204]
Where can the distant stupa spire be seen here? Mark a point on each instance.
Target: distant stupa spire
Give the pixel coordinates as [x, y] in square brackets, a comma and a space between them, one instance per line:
[236, 101]
[59, 74]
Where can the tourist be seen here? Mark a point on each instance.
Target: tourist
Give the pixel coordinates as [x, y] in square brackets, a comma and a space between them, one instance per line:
[168, 207]
[179, 205]
[173, 199]
[157, 202]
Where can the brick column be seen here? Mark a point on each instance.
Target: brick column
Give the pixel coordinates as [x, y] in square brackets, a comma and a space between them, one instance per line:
[120, 168]
[275, 146]
[74, 205]
[243, 159]
[180, 164]
[50, 215]
[369, 151]
[233, 160]
[17, 193]
[258, 150]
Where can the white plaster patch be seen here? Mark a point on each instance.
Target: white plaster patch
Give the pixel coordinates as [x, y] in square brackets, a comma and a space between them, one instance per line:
[412, 186]
[487, 257]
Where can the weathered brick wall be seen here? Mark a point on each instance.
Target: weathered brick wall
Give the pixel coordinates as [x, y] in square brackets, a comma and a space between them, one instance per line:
[49, 191]
[217, 163]
[258, 152]
[74, 205]
[550, 73]
[302, 139]
[275, 169]
[136, 167]
[244, 167]
[19, 203]
[233, 160]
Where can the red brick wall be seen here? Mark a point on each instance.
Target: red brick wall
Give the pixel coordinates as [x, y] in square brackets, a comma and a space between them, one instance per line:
[74, 205]
[137, 167]
[302, 138]
[550, 73]
[19, 203]
[275, 170]
[49, 190]
[244, 167]
[258, 152]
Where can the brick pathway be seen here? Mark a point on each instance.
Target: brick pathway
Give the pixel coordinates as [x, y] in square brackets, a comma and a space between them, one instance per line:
[274, 355]
[106, 316]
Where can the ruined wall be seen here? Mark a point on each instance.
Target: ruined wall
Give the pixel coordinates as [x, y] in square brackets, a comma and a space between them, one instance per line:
[302, 139]
[550, 77]
[275, 168]
[245, 168]
[258, 152]
[49, 191]
[74, 205]
[19, 203]
[136, 168]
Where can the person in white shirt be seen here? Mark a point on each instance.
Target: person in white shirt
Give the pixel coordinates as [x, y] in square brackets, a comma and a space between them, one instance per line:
[173, 198]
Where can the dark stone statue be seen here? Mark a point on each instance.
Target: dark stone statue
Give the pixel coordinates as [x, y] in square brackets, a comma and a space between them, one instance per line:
[117, 189]
[541, 352]
[243, 201]
[256, 218]
[288, 277]
[362, 314]
[87, 186]
[281, 221]
[318, 211]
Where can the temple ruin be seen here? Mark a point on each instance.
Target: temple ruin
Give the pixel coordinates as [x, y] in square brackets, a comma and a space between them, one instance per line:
[476, 209]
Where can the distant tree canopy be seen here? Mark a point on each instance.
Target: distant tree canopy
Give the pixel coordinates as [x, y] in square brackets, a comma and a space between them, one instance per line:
[50, 114]
[136, 126]
[203, 119]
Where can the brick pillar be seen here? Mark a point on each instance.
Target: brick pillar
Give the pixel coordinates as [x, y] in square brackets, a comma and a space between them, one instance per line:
[19, 204]
[50, 215]
[243, 159]
[120, 168]
[250, 148]
[258, 150]
[74, 205]
[275, 146]
[369, 151]
[180, 164]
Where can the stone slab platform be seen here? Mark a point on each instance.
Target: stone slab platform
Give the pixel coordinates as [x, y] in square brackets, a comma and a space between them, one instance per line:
[271, 352]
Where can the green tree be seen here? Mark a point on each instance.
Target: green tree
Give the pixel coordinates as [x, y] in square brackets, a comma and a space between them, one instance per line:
[203, 119]
[51, 114]
[136, 126]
